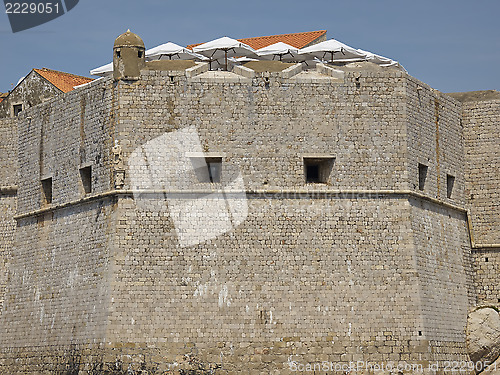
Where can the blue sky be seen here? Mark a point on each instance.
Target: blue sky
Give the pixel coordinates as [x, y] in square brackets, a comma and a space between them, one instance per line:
[450, 45]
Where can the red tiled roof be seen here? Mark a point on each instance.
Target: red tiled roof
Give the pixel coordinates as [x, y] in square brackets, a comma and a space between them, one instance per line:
[3, 96]
[298, 40]
[63, 81]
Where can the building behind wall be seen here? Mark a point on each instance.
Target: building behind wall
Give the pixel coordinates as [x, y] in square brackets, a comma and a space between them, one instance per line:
[38, 86]
[362, 185]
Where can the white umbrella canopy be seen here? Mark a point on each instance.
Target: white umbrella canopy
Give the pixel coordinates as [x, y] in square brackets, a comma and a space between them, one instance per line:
[172, 51]
[380, 60]
[280, 51]
[333, 50]
[103, 71]
[223, 48]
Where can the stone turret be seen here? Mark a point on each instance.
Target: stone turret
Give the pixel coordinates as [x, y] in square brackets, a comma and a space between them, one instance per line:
[128, 57]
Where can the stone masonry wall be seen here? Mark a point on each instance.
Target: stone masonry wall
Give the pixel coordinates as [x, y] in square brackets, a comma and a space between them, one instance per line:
[265, 129]
[441, 241]
[57, 294]
[486, 271]
[272, 284]
[301, 280]
[59, 279]
[8, 189]
[60, 137]
[7, 231]
[481, 119]
[296, 272]
[435, 139]
[8, 152]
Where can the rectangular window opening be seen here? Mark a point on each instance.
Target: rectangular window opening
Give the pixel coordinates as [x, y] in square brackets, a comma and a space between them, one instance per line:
[86, 176]
[47, 190]
[422, 175]
[450, 181]
[318, 170]
[17, 108]
[207, 169]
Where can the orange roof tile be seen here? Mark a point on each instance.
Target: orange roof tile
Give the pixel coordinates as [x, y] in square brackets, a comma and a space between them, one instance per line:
[3, 95]
[298, 40]
[63, 81]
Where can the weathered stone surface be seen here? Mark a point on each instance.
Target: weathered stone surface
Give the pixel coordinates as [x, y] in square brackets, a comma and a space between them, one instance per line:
[483, 335]
[361, 266]
[481, 119]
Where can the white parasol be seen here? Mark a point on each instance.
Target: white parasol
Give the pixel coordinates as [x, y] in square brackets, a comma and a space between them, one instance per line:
[172, 51]
[282, 52]
[335, 50]
[223, 48]
[103, 71]
[380, 60]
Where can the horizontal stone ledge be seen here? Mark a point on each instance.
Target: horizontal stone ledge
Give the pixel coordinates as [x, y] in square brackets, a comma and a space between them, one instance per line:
[205, 192]
[481, 246]
[206, 155]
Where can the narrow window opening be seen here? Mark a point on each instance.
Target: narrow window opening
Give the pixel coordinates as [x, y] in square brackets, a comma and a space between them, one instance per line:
[86, 176]
[17, 108]
[486, 260]
[47, 190]
[318, 170]
[214, 168]
[139, 53]
[171, 78]
[312, 173]
[207, 169]
[118, 53]
[420, 333]
[422, 175]
[450, 181]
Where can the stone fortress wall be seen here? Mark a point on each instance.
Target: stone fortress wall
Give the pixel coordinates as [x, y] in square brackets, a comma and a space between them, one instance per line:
[371, 264]
[8, 189]
[65, 240]
[481, 118]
